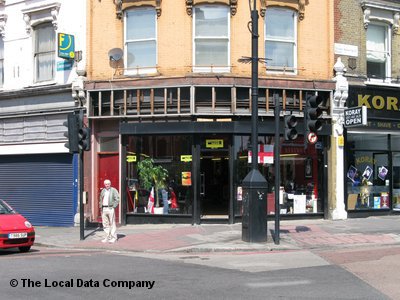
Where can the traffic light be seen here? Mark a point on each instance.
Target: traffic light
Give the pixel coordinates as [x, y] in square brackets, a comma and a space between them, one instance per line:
[290, 128]
[84, 138]
[72, 133]
[313, 112]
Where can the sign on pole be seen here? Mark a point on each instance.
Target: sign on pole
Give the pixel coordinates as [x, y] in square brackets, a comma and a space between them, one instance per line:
[355, 116]
[312, 138]
[66, 46]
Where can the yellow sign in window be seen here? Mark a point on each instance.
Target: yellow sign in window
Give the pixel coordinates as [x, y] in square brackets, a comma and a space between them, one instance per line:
[186, 158]
[131, 158]
[213, 144]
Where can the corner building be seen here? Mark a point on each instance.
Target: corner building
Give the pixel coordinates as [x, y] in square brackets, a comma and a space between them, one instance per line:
[165, 82]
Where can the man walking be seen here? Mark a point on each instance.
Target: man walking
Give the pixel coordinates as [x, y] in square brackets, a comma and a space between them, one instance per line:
[109, 199]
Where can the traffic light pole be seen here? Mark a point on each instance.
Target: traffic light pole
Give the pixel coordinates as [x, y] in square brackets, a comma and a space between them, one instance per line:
[254, 219]
[81, 212]
[254, 88]
[277, 169]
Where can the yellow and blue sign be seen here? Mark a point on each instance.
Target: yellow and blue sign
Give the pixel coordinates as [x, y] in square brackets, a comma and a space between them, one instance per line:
[66, 46]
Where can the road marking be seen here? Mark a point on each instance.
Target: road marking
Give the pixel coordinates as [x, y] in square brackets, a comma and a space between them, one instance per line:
[275, 284]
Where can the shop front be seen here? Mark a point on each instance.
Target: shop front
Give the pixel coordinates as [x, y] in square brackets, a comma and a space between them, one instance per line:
[198, 168]
[372, 153]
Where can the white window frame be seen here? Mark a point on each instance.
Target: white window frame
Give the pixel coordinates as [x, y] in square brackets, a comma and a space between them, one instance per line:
[388, 53]
[2, 62]
[35, 65]
[212, 69]
[140, 70]
[282, 69]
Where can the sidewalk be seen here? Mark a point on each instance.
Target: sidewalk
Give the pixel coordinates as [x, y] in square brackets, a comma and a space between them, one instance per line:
[167, 238]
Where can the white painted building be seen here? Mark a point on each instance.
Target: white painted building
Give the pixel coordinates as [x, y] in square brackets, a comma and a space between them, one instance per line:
[37, 90]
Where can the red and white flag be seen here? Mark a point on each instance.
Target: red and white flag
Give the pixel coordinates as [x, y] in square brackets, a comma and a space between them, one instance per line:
[265, 154]
[150, 203]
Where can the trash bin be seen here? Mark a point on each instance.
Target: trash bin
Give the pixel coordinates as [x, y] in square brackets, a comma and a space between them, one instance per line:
[254, 219]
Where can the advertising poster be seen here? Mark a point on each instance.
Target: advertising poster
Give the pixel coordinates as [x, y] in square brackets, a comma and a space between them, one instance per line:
[239, 193]
[351, 173]
[308, 167]
[186, 178]
[382, 172]
[367, 173]
[377, 202]
[299, 204]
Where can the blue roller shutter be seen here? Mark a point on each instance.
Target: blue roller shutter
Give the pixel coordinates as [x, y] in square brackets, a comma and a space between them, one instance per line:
[42, 187]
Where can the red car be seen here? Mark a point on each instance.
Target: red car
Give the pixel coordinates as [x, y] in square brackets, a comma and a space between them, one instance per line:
[15, 230]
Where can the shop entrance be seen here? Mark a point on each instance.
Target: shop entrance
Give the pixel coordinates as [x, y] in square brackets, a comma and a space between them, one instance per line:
[214, 183]
[108, 169]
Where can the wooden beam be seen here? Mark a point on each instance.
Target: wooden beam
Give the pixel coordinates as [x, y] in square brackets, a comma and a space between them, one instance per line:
[152, 101]
[112, 103]
[301, 100]
[213, 96]
[165, 100]
[138, 101]
[100, 103]
[179, 101]
[284, 99]
[125, 102]
[233, 99]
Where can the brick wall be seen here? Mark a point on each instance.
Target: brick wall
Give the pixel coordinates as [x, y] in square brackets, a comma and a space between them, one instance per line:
[315, 38]
[349, 29]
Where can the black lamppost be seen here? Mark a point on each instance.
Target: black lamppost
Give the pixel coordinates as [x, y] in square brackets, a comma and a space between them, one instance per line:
[254, 220]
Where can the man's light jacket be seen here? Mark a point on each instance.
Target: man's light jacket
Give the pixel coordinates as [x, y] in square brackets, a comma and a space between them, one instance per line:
[113, 200]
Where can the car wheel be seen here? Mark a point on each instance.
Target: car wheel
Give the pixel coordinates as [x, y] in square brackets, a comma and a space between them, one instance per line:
[24, 249]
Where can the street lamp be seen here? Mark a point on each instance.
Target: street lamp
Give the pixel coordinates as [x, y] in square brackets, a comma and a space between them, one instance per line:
[254, 220]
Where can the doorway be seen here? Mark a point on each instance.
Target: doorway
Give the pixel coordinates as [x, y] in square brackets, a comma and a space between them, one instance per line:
[108, 168]
[214, 183]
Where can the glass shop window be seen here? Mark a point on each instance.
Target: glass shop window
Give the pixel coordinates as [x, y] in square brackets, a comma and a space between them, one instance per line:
[368, 180]
[300, 175]
[159, 175]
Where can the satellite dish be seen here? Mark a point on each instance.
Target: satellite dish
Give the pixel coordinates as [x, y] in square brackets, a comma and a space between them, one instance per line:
[115, 54]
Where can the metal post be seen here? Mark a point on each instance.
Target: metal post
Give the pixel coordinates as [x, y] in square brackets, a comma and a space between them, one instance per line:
[254, 219]
[277, 168]
[254, 87]
[81, 212]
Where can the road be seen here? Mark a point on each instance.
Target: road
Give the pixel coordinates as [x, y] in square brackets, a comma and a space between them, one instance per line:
[47, 273]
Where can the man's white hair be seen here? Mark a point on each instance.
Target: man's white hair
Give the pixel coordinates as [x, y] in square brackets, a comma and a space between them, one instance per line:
[107, 181]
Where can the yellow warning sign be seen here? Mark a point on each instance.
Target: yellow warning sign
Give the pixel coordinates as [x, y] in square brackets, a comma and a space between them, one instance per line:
[213, 144]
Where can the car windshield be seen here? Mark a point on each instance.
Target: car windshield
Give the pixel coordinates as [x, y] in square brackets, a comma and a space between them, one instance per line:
[5, 208]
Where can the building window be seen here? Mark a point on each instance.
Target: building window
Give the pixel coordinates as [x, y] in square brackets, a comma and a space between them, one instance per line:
[166, 152]
[211, 38]
[1, 62]
[378, 52]
[44, 56]
[141, 41]
[280, 39]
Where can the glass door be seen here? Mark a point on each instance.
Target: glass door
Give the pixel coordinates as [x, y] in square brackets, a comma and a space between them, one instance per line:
[214, 177]
[214, 183]
[396, 181]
